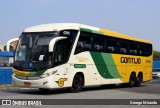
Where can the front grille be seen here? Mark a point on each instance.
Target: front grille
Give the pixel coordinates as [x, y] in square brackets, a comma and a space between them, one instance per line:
[27, 78]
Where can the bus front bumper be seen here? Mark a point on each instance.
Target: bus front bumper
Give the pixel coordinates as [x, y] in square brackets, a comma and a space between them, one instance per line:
[38, 83]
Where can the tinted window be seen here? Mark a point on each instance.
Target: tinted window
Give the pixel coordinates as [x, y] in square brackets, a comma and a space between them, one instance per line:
[133, 48]
[148, 50]
[123, 47]
[111, 45]
[98, 43]
[141, 49]
[61, 52]
[84, 43]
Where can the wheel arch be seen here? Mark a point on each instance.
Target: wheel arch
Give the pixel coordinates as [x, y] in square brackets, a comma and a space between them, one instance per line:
[81, 74]
[77, 82]
[133, 72]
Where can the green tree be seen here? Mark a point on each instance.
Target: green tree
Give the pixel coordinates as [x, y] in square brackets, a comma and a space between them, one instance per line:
[156, 55]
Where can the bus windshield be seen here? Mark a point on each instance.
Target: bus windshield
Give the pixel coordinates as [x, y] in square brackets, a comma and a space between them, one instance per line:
[32, 51]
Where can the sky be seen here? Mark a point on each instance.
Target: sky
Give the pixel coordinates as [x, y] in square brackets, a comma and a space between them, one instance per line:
[137, 18]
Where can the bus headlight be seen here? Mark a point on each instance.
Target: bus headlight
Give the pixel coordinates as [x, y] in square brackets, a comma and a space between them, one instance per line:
[44, 75]
[48, 74]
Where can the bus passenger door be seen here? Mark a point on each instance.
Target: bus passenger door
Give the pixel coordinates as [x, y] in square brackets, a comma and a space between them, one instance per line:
[60, 57]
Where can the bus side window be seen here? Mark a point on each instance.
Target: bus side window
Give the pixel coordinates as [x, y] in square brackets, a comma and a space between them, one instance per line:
[84, 43]
[148, 50]
[133, 49]
[111, 46]
[141, 50]
[98, 44]
[123, 47]
[80, 45]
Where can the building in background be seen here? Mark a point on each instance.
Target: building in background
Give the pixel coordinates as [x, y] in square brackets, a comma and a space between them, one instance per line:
[7, 52]
[2, 47]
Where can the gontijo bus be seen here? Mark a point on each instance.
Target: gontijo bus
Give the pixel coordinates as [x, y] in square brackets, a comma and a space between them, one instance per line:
[74, 55]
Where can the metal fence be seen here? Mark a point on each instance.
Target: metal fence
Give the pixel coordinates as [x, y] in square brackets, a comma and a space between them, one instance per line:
[5, 76]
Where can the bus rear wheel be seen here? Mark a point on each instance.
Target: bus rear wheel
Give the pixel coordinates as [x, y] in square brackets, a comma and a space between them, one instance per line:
[132, 80]
[108, 86]
[139, 80]
[77, 83]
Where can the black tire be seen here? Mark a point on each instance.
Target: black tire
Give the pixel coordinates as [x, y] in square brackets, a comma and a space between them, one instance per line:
[77, 84]
[139, 80]
[108, 86]
[44, 89]
[132, 80]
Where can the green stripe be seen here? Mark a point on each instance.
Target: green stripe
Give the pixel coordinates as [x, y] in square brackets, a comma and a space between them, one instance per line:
[100, 64]
[90, 31]
[97, 32]
[85, 30]
[105, 65]
[111, 65]
[36, 73]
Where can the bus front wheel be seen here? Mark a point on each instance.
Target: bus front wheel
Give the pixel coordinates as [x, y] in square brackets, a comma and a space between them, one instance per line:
[44, 89]
[77, 83]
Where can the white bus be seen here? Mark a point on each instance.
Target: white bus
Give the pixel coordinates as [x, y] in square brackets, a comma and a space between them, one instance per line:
[74, 55]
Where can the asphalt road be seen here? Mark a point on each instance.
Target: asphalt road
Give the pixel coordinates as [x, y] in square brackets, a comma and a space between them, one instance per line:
[148, 90]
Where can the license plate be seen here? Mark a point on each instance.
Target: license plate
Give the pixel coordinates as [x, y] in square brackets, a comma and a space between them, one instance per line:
[27, 83]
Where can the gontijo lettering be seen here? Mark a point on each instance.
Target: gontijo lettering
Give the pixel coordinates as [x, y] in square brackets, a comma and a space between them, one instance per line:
[130, 60]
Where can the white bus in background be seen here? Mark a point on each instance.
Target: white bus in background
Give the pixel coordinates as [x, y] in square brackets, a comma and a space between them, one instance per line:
[11, 44]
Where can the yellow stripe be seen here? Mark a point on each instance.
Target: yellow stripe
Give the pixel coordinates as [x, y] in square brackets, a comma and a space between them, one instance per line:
[118, 35]
[20, 73]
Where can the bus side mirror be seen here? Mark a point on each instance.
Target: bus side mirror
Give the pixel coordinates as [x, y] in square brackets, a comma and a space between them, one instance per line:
[53, 41]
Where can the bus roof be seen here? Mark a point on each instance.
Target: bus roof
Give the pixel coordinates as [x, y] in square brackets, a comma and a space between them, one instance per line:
[82, 27]
[52, 27]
